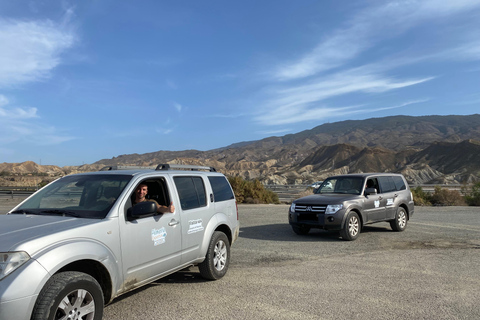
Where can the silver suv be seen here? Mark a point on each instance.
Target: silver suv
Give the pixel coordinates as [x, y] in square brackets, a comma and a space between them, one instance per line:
[79, 242]
[348, 202]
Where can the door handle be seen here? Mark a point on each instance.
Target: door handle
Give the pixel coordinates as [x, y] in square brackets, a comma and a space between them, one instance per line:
[173, 222]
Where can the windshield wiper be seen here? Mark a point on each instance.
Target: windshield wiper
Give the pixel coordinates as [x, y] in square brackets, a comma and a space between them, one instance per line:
[62, 212]
[22, 211]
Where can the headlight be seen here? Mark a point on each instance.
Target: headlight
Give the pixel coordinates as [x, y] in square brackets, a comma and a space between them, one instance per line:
[9, 261]
[333, 208]
[292, 207]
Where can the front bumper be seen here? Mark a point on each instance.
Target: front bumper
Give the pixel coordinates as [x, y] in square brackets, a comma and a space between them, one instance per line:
[318, 220]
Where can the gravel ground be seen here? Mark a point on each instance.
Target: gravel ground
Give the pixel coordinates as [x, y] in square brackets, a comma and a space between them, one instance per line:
[429, 271]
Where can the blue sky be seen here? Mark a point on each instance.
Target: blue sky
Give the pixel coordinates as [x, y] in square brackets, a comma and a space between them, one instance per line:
[86, 80]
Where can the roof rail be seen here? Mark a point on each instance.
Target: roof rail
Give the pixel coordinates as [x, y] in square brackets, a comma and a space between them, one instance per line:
[109, 168]
[184, 167]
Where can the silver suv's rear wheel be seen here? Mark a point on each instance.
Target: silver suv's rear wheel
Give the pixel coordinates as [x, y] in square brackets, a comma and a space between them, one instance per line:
[352, 227]
[69, 295]
[217, 259]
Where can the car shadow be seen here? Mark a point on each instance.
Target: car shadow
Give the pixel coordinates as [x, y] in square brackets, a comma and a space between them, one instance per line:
[284, 232]
[188, 275]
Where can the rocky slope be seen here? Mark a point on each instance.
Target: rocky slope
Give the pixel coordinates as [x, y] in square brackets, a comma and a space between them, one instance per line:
[430, 149]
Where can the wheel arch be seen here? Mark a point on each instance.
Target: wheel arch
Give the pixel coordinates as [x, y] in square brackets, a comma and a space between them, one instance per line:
[218, 222]
[96, 270]
[359, 214]
[404, 206]
[89, 257]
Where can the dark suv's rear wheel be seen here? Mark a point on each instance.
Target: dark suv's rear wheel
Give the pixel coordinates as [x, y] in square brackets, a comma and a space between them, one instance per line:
[400, 221]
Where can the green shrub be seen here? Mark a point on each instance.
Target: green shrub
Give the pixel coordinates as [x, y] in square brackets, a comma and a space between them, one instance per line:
[472, 197]
[420, 197]
[445, 197]
[247, 191]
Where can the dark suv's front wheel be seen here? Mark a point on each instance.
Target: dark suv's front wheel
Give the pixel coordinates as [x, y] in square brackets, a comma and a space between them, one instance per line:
[352, 227]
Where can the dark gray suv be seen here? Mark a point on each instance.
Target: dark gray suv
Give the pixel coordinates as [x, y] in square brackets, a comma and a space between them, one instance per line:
[348, 202]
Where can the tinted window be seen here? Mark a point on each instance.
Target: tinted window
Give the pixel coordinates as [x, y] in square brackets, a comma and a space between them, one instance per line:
[399, 183]
[221, 189]
[191, 192]
[386, 184]
[347, 184]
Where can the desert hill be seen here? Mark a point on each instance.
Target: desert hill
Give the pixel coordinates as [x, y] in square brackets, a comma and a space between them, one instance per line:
[428, 149]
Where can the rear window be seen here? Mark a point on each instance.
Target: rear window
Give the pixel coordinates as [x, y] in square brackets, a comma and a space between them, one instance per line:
[399, 183]
[191, 192]
[221, 189]
[387, 184]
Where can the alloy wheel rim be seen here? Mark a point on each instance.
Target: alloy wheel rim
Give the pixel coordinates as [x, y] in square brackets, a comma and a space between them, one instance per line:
[353, 226]
[78, 304]
[220, 256]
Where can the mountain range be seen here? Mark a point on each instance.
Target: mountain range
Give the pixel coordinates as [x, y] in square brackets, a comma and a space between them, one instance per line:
[426, 150]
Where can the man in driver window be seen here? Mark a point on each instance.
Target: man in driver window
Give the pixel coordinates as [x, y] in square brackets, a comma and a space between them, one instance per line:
[140, 194]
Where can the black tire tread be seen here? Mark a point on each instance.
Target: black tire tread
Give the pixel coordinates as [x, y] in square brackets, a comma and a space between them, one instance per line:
[53, 287]
[206, 268]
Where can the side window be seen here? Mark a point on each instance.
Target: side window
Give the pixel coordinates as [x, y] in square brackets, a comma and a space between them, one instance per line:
[191, 192]
[372, 183]
[221, 189]
[399, 183]
[386, 184]
[155, 189]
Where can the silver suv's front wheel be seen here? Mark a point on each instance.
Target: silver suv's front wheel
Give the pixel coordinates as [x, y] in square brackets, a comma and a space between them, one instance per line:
[70, 295]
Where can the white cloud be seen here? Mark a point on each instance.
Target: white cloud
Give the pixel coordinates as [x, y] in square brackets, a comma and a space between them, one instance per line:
[19, 124]
[274, 132]
[3, 100]
[367, 28]
[178, 106]
[31, 49]
[302, 102]
[289, 116]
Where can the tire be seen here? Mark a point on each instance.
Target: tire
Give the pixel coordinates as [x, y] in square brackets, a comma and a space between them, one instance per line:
[301, 230]
[69, 293]
[400, 222]
[217, 260]
[351, 229]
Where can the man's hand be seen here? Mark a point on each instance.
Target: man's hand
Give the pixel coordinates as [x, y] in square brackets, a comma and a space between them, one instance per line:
[165, 209]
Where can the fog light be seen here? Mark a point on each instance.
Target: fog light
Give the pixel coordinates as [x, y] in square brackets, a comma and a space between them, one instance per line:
[331, 219]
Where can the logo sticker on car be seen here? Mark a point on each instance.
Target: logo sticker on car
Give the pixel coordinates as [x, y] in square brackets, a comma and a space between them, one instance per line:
[158, 236]
[195, 226]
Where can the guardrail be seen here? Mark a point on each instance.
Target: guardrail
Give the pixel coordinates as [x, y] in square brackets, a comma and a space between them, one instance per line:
[289, 192]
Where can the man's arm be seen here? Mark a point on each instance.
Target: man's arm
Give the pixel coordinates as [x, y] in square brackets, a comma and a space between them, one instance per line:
[166, 209]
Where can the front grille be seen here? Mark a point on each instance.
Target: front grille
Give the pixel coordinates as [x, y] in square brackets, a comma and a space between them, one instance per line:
[310, 208]
[309, 212]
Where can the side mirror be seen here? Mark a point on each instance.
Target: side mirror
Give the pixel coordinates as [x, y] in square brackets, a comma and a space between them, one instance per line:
[141, 210]
[370, 191]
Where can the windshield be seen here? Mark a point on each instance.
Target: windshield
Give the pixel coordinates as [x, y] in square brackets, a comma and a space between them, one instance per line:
[84, 196]
[347, 185]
